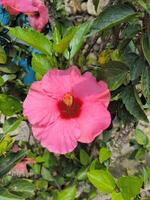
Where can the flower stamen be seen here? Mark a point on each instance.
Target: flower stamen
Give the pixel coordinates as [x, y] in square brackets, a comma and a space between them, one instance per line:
[68, 99]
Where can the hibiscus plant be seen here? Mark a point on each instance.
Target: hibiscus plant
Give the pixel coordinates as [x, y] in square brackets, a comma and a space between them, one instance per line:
[60, 99]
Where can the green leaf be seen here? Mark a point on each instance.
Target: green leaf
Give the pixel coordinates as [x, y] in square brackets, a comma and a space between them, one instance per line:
[63, 44]
[84, 157]
[5, 144]
[78, 39]
[114, 73]
[8, 161]
[6, 195]
[140, 137]
[1, 81]
[82, 174]
[146, 5]
[9, 68]
[102, 180]
[146, 83]
[132, 103]
[46, 174]
[35, 39]
[116, 196]
[146, 46]
[67, 194]
[129, 186]
[3, 56]
[104, 154]
[41, 64]
[111, 16]
[11, 124]
[24, 186]
[9, 105]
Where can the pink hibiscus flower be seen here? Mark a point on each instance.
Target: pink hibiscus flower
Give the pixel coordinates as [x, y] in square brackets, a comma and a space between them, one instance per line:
[66, 107]
[35, 9]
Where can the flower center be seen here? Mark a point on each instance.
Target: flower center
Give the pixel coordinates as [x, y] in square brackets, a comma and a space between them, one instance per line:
[69, 106]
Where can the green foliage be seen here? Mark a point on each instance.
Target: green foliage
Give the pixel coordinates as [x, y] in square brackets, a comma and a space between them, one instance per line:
[114, 73]
[9, 105]
[104, 154]
[112, 16]
[121, 35]
[9, 161]
[33, 38]
[102, 180]
[129, 186]
[68, 193]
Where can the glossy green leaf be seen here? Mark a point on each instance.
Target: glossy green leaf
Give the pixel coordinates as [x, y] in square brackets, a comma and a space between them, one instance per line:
[146, 46]
[9, 105]
[104, 154]
[24, 186]
[129, 186]
[33, 38]
[146, 83]
[140, 137]
[3, 56]
[63, 44]
[6, 195]
[116, 196]
[114, 73]
[132, 103]
[41, 64]
[84, 157]
[111, 16]
[8, 161]
[78, 39]
[102, 180]
[67, 194]
[11, 124]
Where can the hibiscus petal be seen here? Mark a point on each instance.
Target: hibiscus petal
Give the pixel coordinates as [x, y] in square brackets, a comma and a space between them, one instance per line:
[58, 82]
[88, 88]
[60, 137]
[94, 118]
[39, 108]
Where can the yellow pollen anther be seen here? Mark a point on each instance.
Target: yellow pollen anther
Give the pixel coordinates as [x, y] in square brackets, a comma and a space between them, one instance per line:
[68, 99]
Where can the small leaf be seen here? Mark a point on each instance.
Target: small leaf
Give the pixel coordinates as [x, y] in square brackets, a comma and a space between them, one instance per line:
[67, 194]
[114, 73]
[5, 144]
[9, 105]
[132, 103]
[129, 186]
[11, 124]
[140, 137]
[8, 161]
[102, 180]
[104, 154]
[111, 16]
[84, 157]
[35, 39]
[3, 57]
